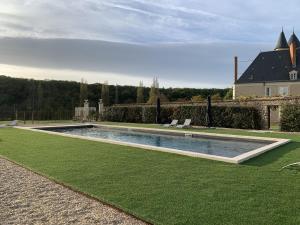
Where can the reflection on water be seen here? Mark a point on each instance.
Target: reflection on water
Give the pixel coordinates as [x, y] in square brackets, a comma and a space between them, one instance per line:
[227, 148]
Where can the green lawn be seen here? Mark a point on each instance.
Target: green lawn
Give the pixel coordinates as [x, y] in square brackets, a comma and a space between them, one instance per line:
[166, 188]
[39, 122]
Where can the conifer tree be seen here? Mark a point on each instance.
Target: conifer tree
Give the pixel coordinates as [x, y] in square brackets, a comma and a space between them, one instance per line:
[229, 94]
[140, 93]
[83, 91]
[40, 100]
[116, 94]
[105, 93]
[154, 91]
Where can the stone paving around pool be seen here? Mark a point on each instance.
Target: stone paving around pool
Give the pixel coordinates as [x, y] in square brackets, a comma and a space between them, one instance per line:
[27, 198]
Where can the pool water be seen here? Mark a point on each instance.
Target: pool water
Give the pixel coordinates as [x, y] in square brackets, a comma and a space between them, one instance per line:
[211, 146]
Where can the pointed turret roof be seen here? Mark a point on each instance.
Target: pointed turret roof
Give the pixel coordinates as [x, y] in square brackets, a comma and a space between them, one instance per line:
[294, 39]
[281, 43]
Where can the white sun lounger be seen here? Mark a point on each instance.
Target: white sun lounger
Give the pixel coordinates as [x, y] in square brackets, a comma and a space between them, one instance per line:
[13, 123]
[172, 124]
[187, 123]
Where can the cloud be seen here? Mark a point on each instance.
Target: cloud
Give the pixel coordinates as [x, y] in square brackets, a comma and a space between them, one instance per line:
[141, 21]
[184, 42]
[176, 64]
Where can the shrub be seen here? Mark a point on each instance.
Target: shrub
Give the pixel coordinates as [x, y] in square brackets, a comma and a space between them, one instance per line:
[196, 113]
[216, 97]
[166, 114]
[231, 117]
[149, 114]
[134, 114]
[229, 94]
[114, 114]
[290, 118]
[197, 98]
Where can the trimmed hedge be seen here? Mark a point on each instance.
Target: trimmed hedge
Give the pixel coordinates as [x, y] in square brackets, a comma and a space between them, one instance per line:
[231, 117]
[290, 118]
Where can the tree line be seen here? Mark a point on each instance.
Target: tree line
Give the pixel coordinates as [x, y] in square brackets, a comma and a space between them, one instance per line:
[47, 95]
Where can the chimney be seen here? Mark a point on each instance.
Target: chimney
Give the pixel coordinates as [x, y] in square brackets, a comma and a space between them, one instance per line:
[235, 68]
[293, 53]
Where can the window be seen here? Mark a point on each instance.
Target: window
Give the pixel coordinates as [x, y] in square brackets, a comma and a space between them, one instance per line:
[293, 75]
[283, 91]
[268, 91]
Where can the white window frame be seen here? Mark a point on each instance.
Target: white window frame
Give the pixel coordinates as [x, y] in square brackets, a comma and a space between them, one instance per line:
[294, 75]
[281, 92]
[270, 91]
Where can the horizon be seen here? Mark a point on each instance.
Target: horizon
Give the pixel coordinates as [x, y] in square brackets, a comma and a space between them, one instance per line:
[97, 83]
[183, 43]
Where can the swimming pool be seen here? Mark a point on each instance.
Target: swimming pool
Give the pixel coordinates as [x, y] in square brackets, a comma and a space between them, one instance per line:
[226, 148]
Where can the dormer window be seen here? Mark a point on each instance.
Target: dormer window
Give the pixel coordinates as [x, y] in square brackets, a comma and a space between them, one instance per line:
[293, 75]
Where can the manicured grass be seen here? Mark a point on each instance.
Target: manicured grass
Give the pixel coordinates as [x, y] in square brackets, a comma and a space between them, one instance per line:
[39, 122]
[167, 188]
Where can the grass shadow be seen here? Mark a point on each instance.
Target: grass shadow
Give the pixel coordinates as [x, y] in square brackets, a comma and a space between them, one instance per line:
[273, 155]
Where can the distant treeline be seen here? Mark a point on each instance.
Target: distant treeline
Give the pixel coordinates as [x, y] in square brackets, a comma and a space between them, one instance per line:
[48, 95]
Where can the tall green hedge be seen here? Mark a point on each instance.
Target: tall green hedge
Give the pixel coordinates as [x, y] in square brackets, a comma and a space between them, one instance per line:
[231, 117]
[290, 118]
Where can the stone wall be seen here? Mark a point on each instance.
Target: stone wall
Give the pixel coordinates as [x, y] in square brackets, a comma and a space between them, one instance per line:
[259, 89]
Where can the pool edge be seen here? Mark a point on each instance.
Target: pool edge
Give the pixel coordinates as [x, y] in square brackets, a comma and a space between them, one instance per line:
[235, 160]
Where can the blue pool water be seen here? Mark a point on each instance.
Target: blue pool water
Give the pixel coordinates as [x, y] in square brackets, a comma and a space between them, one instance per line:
[227, 148]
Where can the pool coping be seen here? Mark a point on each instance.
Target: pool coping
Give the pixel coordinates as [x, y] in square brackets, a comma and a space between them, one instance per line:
[236, 160]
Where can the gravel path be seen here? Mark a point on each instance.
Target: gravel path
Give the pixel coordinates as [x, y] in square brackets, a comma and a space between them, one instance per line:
[27, 198]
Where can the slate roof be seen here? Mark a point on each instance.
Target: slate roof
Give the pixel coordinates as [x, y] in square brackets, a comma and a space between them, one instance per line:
[294, 38]
[272, 66]
[281, 43]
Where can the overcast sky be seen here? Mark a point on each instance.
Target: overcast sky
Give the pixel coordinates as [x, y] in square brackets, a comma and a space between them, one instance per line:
[183, 42]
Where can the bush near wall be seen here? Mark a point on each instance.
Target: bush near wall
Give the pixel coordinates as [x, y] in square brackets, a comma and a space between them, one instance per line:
[231, 117]
[290, 118]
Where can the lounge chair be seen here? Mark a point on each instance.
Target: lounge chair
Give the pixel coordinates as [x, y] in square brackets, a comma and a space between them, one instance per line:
[187, 123]
[13, 123]
[172, 124]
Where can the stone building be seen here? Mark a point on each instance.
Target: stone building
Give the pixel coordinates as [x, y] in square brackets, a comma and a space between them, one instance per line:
[272, 73]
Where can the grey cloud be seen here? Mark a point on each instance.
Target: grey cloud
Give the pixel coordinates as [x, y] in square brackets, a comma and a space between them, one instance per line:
[207, 63]
[17, 26]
